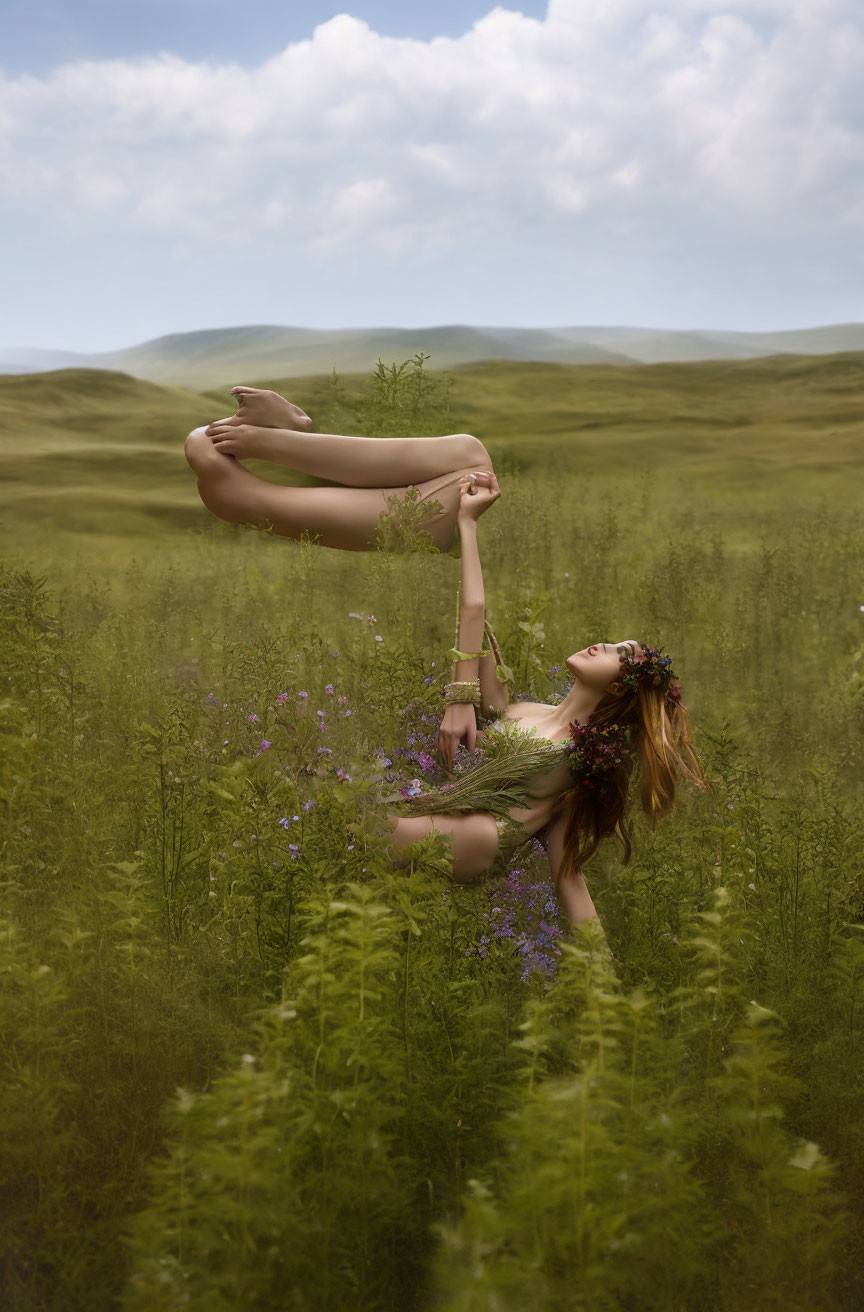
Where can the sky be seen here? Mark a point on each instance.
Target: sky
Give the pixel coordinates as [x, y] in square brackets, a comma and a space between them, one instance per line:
[168, 167]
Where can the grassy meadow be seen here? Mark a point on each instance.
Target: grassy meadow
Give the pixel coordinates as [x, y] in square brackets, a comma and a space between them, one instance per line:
[246, 1064]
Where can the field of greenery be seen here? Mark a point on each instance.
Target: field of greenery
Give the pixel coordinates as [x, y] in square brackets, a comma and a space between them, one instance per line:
[247, 1064]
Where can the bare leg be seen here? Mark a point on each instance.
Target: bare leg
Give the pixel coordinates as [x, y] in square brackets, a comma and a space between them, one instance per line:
[342, 517]
[475, 840]
[371, 462]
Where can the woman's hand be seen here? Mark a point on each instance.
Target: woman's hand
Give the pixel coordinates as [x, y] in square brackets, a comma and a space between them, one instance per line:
[479, 492]
[458, 722]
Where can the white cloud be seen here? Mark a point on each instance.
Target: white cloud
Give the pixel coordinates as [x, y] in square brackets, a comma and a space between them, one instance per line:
[628, 114]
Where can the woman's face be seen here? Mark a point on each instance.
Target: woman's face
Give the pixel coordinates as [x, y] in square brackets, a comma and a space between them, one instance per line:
[600, 664]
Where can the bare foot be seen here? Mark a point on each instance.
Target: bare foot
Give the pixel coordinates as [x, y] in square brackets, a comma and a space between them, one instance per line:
[264, 409]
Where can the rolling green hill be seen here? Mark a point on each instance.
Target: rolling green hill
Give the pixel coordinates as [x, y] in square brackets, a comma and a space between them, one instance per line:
[209, 358]
[92, 461]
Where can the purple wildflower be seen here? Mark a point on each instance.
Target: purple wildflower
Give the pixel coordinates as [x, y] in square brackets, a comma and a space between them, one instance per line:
[253, 718]
[329, 690]
[283, 697]
[302, 694]
[307, 806]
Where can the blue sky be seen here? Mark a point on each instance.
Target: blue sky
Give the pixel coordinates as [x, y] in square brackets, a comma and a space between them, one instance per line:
[684, 163]
[42, 34]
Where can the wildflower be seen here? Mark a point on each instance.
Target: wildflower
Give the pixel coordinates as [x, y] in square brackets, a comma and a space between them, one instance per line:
[225, 743]
[425, 761]
[320, 714]
[264, 745]
[302, 694]
[413, 790]
[284, 822]
[335, 655]
[341, 775]
[283, 697]
[378, 637]
[210, 700]
[325, 751]
[252, 717]
[350, 847]
[349, 712]
[341, 699]
[307, 806]
[329, 690]
[253, 838]
[293, 847]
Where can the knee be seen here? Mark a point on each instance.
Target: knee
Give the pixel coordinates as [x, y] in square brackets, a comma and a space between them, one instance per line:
[476, 455]
[199, 451]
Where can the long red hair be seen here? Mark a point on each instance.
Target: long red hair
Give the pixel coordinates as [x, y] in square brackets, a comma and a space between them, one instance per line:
[659, 736]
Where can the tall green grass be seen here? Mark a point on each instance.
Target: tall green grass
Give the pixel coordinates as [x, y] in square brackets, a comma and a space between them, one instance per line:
[249, 1064]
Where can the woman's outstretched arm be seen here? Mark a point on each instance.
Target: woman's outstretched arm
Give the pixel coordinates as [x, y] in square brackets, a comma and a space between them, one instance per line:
[460, 720]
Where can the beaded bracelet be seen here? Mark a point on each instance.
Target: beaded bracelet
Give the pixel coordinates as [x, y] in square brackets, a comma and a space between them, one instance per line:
[462, 691]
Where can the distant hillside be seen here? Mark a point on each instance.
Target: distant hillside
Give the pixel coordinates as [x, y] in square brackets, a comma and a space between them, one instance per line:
[219, 356]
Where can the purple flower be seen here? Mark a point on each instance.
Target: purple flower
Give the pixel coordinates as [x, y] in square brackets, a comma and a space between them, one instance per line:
[348, 712]
[284, 822]
[341, 699]
[302, 694]
[329, 690]
[413, 790]
[307, 806]
[264, 745]
[211, 700]
[342, 776]
[325, 751]
[378, 637]
[350, 847]
[335, 655]
[425, 761]
[283, 697]
[253, 718]
[293, 847]
[320, 713]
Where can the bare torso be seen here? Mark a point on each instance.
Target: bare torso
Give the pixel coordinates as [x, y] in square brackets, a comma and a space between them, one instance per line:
[545, 787]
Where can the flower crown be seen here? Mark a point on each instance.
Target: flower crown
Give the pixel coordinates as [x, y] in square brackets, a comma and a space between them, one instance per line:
[596, 751]
[654, 670]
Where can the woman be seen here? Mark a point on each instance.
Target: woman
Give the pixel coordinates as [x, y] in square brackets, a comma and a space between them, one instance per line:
[557, 772]
[366, 473]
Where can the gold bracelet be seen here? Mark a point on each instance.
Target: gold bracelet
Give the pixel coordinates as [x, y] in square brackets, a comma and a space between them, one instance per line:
[462, 691]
